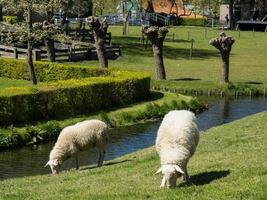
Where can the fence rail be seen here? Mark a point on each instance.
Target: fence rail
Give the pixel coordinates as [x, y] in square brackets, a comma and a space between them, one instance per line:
[70, 54]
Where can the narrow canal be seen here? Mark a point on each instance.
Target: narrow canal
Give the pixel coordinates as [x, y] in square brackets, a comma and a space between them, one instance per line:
[29, 161]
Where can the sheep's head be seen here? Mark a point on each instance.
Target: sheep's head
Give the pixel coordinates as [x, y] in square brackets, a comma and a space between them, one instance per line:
[54, 165]
[170, 175]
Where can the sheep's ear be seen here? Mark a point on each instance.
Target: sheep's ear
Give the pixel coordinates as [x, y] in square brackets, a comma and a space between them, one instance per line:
[178, 169]
[47, 163]
[159, 170]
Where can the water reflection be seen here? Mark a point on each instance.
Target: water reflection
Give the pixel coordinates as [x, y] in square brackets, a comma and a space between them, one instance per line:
[30, 160]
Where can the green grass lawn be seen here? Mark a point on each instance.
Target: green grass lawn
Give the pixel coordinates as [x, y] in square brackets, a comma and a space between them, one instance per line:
[5, 83]
[230, 163]
[248, 62]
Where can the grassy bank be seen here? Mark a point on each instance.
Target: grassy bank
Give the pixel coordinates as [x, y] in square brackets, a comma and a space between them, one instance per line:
[230, 163]
[6, 82]
[202, 72]
[159, 105]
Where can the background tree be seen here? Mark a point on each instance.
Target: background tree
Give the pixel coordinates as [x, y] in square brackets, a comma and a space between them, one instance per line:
[82, 8]
[202, 5]
[224, 44]
[27, 7]
[231, 14]
[47, 33]
[30, 44]
[1, 12]
[126, 14]
[105, 7]
[156, 35]
[99, 30]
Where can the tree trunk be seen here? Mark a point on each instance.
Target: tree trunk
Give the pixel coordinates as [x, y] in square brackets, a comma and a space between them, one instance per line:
[158, 55]
[156, 35]
[125, 26]
[101, 53]
[29, 57]
[1, 13]
[231, 14]
[99, 30]
[50, 46]
[49, 14]
[225, 66]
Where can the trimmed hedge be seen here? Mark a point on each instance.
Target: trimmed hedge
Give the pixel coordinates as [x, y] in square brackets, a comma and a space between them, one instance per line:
[47, 71]
[65, 98]
[46, 131]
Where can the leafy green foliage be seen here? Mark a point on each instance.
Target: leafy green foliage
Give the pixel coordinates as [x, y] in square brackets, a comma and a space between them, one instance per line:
[10, 19]
[146, 111]
[46, 71]
[72, 90]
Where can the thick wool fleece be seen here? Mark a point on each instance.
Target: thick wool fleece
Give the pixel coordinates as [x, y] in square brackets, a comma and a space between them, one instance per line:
[177, 138]
[79, 137]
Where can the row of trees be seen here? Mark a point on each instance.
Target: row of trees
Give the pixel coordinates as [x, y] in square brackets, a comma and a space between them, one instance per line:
[156, 35]
[46, 32]
[49, 7]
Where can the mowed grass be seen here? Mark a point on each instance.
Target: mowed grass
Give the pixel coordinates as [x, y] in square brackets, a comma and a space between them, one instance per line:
[5, 83]
[230, 163]
[248, 62]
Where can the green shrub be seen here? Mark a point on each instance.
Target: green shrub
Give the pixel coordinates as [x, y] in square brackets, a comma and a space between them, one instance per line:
[46, 131]
[47, 71]
[10, 19]
[71, 97]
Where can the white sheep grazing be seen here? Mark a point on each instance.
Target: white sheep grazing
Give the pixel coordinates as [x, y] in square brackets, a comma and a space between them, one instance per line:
[76, 138]
[176, 142]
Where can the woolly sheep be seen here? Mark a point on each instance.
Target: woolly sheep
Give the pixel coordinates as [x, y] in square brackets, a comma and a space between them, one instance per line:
[176, 142]
[76, 138]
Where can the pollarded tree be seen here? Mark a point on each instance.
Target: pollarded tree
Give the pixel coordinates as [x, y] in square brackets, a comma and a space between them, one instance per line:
[224, 44]
[47, 32]
[99, 30]
[30, 43]
[156, 35]
[27, 6]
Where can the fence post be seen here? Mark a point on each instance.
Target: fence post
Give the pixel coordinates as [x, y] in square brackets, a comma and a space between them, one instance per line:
[36, 55]
[16, 55]
[70, 53]
[191, 48]
[89, 54]
[120, 51]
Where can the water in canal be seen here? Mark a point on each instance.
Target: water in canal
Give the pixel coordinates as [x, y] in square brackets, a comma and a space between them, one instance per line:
[29, 161]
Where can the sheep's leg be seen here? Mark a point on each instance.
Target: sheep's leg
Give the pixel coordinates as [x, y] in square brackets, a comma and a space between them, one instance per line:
[101, 158]
[77, 162]
[186, 176]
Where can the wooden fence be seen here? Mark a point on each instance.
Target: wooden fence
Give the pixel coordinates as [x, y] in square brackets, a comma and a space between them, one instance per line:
[87, 36]
[70, 54]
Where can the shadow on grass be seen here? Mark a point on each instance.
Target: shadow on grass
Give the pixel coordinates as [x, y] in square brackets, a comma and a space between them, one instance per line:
[185, 79]
[106, 164]
[115, 163]
[206, 178]
[253, 83]
[156, 95]
[132, 46]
